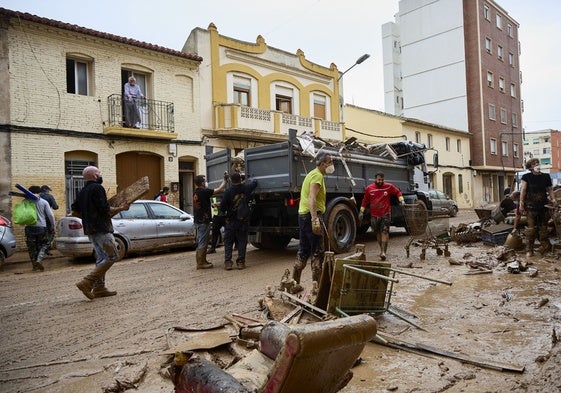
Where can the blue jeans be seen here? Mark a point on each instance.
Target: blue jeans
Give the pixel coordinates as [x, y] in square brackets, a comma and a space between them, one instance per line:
[203, 232]
[235, 231]
[105, 249]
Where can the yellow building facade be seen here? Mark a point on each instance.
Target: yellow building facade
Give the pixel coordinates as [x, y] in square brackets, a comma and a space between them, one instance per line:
[252, 94]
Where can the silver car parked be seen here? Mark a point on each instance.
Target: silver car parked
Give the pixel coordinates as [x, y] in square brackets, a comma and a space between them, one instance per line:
[7, 239]
[147, 226]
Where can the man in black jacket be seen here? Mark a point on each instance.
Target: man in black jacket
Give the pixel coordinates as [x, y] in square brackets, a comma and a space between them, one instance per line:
[235, 207]
[92, 206]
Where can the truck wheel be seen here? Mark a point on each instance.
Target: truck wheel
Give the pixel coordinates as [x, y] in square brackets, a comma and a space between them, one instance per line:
[341, 228]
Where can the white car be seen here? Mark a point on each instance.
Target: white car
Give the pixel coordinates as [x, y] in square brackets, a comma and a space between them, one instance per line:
[7, 239]
[147, 226]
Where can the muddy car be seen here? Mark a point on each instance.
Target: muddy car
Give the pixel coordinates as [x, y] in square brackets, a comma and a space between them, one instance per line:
[7, 239]
[440, 203]
[147, 226]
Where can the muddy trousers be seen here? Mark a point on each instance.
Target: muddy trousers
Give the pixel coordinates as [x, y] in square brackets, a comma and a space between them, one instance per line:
[36, 241]
[311, 246]
[537, 229]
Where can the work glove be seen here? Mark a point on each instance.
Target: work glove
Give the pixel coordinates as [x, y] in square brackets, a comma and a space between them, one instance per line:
[226, 176]
[360, 216]
[316, 226]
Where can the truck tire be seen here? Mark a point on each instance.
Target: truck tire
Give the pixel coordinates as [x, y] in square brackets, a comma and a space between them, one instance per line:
[341, 229]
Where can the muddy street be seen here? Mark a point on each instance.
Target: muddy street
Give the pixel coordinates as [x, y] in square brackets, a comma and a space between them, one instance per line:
[55, 340]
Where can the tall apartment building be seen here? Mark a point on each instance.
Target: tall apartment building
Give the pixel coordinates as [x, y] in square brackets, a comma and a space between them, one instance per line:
[545, 145]
[456, 63]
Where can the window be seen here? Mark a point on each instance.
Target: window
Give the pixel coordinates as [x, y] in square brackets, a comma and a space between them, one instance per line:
[320, 106]
[493, 146]
[486, 12]
[242, 91]
[429, 140]
[459, 145]
[512, 90]
[545, 161]
[504, 148]
[499, 22]
[283, 103]
[488, 45]
[514, 119]
[489, 79]
[447, 144]
[77, 76]
[500, 52]
[501, 85]
[503, 115]
[284, 99]
[511, 59]
[509, 29]
[460, 183]
[515, 150]
[417, 137]
[535, 141]
[546, 150]
[492, 112]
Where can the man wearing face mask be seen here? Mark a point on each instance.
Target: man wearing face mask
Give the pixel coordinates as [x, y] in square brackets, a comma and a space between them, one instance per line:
[310, 220]
[92, 206]
[534, 190]
[378, 196]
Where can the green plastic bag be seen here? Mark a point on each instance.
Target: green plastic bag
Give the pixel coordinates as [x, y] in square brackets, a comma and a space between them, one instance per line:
[25, 213]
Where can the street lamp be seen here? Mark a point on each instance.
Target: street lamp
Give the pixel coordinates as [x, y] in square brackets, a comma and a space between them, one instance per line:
[359, 60]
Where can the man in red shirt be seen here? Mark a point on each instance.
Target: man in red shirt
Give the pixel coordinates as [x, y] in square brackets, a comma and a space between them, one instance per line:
[378, 195]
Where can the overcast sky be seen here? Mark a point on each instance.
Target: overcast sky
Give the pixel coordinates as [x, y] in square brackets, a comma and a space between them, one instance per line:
[327, 31]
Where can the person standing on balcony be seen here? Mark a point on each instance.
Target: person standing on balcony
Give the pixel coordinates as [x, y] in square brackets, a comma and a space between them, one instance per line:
[378, 196]
[132, 94]
[535, 187]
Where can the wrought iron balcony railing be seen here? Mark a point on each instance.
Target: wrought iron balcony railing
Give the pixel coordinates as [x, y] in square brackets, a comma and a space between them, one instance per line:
[141, 113]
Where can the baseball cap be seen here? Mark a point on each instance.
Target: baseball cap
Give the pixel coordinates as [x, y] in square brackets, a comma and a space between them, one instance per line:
[46, 188]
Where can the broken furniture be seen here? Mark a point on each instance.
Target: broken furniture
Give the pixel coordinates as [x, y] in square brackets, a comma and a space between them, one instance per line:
[311, 358]
[426, 233]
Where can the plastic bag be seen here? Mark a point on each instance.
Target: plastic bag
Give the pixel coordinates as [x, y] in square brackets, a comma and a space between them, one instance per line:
[25, 213]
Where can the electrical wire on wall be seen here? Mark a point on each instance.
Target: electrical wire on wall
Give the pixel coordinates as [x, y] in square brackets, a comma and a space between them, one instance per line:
[44, 72]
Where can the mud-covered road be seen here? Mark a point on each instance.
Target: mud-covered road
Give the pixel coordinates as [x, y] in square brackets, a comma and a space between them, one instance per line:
[53, 339]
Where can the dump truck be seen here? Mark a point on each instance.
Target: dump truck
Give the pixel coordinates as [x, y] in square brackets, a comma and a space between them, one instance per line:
[280, 169]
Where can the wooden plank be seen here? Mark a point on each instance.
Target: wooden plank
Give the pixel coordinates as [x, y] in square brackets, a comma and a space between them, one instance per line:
[131, 193]
[458, 356]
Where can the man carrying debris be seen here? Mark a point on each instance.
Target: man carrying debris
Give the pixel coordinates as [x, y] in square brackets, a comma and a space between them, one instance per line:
[310, 220]
[534, 190]
[378, 195]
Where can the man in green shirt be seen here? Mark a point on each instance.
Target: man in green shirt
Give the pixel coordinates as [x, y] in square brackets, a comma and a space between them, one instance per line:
[310, 220]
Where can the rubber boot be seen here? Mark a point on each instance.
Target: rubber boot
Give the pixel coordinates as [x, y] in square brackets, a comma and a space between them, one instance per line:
[201, 259]
[99, 290]
[296, 275]
[383, 248]
[530, 248]
[87, 283]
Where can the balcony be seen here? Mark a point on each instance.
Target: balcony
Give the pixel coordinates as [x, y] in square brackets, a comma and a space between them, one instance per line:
[237, 122]
[156, 119]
